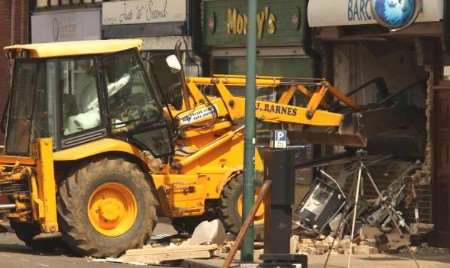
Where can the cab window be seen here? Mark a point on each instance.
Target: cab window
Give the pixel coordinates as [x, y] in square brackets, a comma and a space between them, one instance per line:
[77, 80]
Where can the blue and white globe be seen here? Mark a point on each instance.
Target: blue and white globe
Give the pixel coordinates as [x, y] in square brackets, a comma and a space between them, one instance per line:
[395, 13]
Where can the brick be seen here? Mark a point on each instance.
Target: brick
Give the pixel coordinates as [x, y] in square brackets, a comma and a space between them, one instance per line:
[20, 18]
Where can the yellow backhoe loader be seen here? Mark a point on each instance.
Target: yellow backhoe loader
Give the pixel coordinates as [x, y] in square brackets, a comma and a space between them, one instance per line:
[95, 150]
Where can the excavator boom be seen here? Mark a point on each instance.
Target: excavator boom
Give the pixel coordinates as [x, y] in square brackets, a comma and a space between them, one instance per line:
[292, 102]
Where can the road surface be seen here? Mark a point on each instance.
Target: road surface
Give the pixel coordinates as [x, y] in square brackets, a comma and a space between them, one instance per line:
[14, 254]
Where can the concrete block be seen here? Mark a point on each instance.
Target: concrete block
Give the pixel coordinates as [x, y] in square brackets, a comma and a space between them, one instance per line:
[208, 232]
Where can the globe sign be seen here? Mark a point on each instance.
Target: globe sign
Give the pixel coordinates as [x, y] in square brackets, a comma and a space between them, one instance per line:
[395, 14]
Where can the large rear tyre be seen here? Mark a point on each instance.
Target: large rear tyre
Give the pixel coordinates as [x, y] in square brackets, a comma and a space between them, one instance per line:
[27, 233]
[231, 203]
[106, 207]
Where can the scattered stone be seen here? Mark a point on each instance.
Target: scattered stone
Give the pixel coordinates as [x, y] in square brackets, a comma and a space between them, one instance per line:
[425, 249]
[3, 228]
[368, 232]
[294, 244]
[392, 242]
[365, 250]
[418, 228]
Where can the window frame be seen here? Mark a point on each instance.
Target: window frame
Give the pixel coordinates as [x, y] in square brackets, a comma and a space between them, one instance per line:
[154, 88]
[73, 139]
[11, 101]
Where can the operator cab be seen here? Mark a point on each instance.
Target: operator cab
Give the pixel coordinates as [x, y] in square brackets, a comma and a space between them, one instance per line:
[77, 92]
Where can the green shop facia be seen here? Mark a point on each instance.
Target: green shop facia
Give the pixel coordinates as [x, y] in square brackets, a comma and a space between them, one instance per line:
[281, 29]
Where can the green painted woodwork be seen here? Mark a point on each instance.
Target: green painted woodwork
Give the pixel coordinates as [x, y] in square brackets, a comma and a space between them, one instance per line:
[288, 17]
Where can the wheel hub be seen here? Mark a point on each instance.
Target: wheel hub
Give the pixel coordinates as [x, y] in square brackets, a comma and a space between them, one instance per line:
[259, 216]
[112, 209]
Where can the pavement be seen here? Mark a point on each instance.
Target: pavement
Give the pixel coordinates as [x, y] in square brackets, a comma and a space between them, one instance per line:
[14, 254]
[357, 261]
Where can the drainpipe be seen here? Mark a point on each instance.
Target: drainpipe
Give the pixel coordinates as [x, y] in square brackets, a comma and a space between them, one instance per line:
[22, 21]
[13, 22]
[250, 131]
[12, 37]
[308, 45]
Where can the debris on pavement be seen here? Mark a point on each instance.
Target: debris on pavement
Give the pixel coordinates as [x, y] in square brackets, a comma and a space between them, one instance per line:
[160, 254]
[204, 243]
[3, 228]
[157, 255]
[208, 232]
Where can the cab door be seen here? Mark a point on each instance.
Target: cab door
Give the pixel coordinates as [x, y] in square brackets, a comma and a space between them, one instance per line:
[134, 109]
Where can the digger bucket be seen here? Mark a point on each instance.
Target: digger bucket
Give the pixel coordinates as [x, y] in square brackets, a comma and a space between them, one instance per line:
[350, 134]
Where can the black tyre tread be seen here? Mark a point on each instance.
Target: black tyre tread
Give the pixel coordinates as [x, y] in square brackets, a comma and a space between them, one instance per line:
[70, 208]
[227, 210]
[27, 231]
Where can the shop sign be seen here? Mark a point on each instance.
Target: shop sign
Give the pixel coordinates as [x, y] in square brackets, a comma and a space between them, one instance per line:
[278, 22]
[237, 23]
[143, 11]
[67, 25]
[396, 14]
[392, 14]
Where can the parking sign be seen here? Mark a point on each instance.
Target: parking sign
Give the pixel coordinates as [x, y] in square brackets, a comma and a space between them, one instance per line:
[279, 139]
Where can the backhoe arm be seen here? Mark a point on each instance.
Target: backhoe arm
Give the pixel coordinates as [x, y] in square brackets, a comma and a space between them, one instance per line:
[282, 110]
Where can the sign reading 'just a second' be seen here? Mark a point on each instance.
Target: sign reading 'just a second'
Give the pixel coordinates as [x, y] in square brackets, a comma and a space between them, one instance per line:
[143, 11]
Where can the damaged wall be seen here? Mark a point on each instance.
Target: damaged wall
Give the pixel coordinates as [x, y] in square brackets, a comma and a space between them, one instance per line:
[358, 62]
[398, 62]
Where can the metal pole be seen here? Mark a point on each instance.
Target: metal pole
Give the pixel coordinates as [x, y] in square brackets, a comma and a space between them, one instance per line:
[355, 211]
[250, 132]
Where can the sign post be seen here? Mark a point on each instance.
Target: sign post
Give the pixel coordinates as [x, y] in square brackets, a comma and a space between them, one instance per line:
[250, 130]
[279, 168]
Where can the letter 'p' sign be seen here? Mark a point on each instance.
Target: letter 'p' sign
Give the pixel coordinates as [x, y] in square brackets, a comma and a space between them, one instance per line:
[279, 139]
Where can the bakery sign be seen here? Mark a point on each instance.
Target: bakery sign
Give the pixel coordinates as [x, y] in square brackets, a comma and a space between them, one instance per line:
[392, 14]
[143, 11]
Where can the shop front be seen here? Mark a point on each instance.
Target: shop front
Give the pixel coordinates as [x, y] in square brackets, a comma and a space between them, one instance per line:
[65, 25]
[282, 47]
[161, 24]
[395, 49]
[281, 27]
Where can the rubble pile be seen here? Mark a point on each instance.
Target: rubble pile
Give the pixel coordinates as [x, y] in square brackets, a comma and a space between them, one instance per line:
[370, 240]
[322, 246]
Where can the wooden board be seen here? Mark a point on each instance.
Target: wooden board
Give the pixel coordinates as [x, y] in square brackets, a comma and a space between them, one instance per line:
[156, 255]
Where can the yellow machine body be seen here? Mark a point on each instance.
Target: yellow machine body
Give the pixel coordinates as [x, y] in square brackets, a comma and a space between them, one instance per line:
[209, 149]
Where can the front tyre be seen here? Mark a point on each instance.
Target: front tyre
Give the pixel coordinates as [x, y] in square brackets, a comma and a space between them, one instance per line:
[231, 204]
[106, 207]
